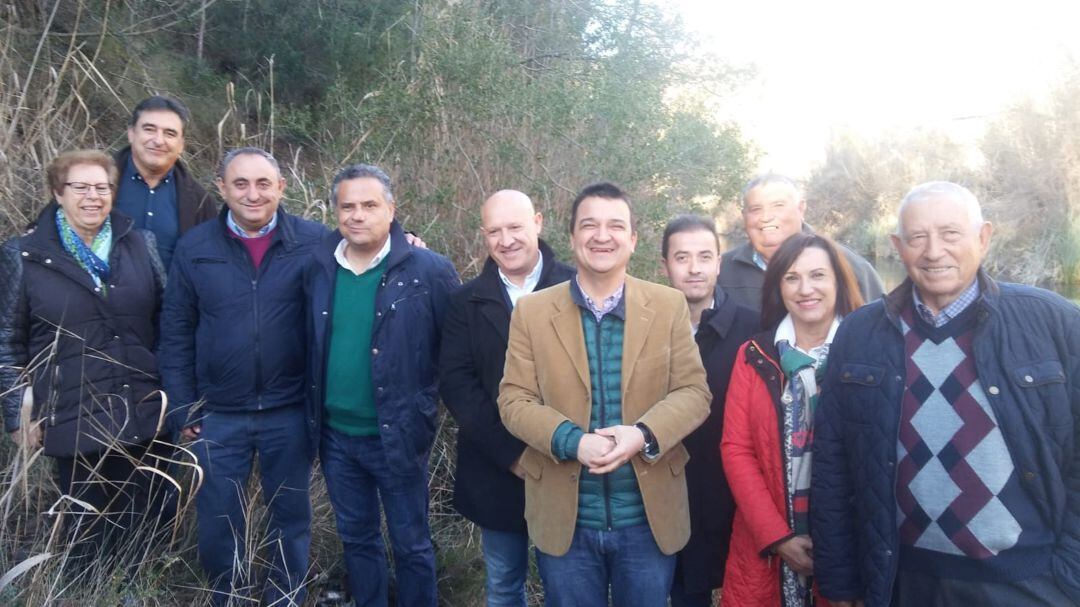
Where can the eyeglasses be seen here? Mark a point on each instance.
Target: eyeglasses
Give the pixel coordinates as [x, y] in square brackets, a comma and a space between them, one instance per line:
[82, 189]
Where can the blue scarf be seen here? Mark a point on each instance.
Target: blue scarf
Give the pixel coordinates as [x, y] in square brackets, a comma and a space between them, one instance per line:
[93, 258]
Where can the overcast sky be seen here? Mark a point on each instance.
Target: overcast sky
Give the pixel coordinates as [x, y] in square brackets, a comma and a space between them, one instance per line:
[870, 65]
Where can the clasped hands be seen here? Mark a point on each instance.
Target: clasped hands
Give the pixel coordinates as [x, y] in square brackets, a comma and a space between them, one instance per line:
[608, 448]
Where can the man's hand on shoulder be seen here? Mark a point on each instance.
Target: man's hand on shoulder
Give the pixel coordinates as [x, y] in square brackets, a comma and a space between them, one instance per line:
[415, 240]
[628, 442]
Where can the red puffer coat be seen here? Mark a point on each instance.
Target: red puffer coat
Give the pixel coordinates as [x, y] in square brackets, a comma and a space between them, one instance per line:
[752, 452]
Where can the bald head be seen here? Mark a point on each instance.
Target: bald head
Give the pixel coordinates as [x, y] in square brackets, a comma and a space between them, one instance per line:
[506, 199]
[511, 228]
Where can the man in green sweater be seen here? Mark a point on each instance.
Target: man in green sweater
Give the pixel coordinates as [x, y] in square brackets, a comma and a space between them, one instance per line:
[375, 306]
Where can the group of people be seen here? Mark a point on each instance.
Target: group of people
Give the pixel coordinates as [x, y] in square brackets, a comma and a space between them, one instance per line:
[772, 424]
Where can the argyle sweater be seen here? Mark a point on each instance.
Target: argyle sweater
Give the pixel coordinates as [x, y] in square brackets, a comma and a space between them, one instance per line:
[962, 510]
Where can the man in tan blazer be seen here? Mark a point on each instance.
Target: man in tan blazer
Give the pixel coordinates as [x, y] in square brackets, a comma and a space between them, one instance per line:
[602, 381]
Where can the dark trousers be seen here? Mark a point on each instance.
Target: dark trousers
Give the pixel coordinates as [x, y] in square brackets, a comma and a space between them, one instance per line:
[130, 511]
[358, 478]
[914, 589]
[226, 449]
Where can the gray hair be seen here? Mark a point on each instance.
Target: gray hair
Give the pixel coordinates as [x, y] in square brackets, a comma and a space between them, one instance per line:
[246, 151]
[767, 179]
[940, 189]
[360, 171]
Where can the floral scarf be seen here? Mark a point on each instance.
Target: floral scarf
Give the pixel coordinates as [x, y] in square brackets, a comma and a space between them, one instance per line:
[94, 258]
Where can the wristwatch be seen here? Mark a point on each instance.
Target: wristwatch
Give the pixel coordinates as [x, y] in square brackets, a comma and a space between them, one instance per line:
[651, 448]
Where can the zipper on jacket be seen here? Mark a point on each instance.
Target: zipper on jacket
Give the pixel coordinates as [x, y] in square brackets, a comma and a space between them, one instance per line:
[258, 349]
[603, 418]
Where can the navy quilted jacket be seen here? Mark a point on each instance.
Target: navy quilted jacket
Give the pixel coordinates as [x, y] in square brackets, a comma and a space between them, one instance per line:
[1027, 352]
[410, 304]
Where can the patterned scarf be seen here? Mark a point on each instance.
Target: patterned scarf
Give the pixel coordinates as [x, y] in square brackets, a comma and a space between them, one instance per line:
[94, 258]
[804, 373]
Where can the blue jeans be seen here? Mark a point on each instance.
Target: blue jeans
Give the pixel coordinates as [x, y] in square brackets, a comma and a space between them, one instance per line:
[226, 448]
[506, 559]
[627, 561]
[357, 479]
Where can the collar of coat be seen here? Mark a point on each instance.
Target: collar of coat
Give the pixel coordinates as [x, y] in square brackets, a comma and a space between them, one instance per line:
[489, 286]
[400, 249]
[899, 297]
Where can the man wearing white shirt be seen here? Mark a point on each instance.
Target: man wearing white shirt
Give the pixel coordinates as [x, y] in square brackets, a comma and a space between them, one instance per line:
[375, 304]
[488, 485]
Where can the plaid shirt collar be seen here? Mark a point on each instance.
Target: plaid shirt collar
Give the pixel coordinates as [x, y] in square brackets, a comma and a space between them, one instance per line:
[950, 311]
[612, 304]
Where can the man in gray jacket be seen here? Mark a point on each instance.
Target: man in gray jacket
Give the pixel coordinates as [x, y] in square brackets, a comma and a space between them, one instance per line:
[773, 210]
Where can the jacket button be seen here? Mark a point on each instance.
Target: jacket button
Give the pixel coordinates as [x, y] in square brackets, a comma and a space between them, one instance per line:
[869, 378]
[994, 390]
[126, 386]
[573, 476]
[416, 281]
[97, 289]
[400, 284]
[1029, 379]
[116, 338]
[324, 312]
[112, 286]
[47, 260]
[374, 351]
[888, 553]
[25, 254]
[379, 389]
[847, 374]
[898, 378]
[761, 361]
[386, 426]
[1029, 476]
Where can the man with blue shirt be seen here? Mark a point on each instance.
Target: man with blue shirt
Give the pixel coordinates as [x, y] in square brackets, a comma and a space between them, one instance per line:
[946, 463]
[375, 304]
[155, 188]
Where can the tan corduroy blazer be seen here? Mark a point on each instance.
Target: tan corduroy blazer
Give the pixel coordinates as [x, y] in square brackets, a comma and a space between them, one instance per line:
[546, 382]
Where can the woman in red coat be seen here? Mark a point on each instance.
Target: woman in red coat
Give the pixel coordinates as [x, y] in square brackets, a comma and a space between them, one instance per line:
[768, 423]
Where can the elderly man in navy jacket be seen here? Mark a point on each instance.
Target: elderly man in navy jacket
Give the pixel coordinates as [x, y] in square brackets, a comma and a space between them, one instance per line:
[946, 463]
[489, 487]
[375, 304]
[233, 339]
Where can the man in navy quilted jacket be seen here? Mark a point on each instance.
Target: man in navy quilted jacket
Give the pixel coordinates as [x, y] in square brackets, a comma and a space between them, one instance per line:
[233, 348]
[946, 465]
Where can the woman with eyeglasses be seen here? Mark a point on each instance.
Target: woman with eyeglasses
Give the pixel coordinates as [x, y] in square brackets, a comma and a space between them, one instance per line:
[79, 300]
[769, 423]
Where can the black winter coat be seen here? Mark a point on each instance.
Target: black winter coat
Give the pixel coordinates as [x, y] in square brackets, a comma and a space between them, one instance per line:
[231, 335]
[475, 335]
[712, 508]
[90, 355]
